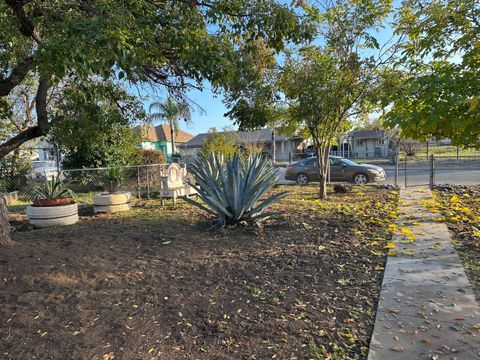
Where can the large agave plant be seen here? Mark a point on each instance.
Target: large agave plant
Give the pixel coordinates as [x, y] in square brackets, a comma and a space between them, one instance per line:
[231, 188]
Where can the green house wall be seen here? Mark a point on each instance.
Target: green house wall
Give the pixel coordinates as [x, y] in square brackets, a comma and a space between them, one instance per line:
[159, 145]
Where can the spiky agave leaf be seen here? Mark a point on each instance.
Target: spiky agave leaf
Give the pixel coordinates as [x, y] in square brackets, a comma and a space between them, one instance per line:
[258, 210]
[53, 189]
[231, 187]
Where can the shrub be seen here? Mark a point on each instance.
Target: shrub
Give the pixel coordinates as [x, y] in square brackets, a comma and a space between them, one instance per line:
[230, 188]
[220, 143]
[14, 172]
[151, 157]
[410, 147]
[115, 147]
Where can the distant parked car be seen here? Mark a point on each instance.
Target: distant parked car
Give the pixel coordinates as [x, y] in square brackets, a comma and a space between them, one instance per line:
[42, 170]
[341, 170]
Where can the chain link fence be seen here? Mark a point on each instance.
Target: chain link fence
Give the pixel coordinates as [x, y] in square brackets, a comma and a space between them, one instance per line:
[434, 170]
[141, 180]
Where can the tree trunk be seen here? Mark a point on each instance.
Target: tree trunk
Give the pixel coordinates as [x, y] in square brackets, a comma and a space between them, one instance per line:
[323, 187]
[5, 239]
[15, 160]
[173, 140]
[274, 148]
[322, 159]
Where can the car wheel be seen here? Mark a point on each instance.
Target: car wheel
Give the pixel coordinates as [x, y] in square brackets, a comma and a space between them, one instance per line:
[360, 178]
[302, 179]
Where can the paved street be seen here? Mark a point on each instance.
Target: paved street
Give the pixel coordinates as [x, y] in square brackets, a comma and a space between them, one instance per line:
[442, 176]
[421, 176]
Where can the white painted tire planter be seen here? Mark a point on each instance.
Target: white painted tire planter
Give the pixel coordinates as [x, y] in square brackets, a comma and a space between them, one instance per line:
[110, 203]
[44, 216]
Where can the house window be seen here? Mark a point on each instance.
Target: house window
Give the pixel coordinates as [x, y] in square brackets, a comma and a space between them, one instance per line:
[360, 143]
[381, 142]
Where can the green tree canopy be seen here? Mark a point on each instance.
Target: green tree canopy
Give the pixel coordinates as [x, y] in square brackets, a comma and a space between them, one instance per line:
[323, 86]
[92, 125]
[440, 94]
[172, 44]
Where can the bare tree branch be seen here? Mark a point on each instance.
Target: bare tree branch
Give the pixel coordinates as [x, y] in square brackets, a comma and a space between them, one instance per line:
[26, 25]
[14, 142]
[16, 77]
[32, 132]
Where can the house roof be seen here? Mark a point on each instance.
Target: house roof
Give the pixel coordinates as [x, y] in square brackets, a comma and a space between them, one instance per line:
[162, 133]
[368, 134]
[241, 137]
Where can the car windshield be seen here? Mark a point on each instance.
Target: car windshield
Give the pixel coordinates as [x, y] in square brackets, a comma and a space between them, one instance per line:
[349, 162]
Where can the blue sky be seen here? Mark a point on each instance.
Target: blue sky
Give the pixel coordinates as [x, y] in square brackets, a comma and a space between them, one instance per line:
[213, 115]
[202, 121]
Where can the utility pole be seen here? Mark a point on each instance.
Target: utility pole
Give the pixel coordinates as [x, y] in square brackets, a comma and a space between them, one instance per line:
[274, 148]
[397, 159]
[432, 170]
[57, 157]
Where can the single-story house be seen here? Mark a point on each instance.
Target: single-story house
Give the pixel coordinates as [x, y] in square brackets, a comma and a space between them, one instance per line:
[286, 147]
[368, 144]
[159, 138]
[42, 150]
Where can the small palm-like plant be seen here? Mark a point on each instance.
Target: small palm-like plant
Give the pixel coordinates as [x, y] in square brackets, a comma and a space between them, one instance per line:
[53, 189]
[231, 188]
[170, 111]
[113, 178]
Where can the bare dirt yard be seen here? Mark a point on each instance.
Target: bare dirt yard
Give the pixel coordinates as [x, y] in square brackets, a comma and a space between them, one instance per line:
[154, 283]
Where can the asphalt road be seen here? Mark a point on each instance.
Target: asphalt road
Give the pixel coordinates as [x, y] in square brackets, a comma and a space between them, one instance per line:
[421, 176]
[442, 176]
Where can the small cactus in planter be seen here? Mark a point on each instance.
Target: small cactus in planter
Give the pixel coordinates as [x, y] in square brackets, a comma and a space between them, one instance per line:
[113, 178]
[114, 200]
[54, 205]
[231, 188]
[53, 193]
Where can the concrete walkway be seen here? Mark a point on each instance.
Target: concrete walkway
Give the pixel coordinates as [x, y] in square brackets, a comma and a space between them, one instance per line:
[427, 309]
